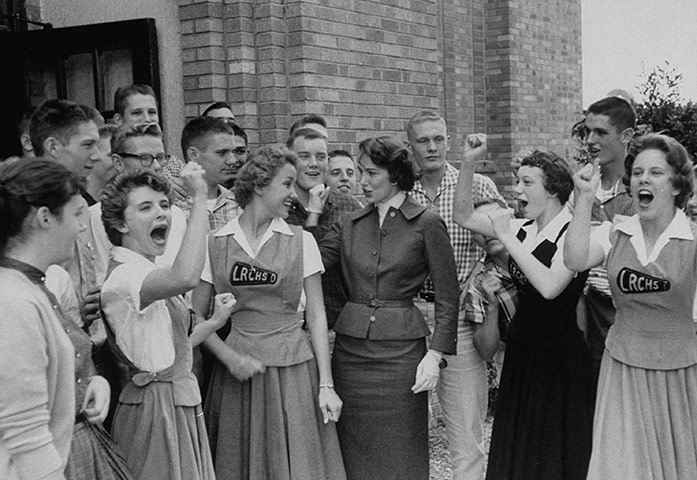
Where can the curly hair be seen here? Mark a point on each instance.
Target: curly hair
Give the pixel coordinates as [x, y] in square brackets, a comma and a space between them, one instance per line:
[114, 198]
[558, 177]
[259, 170]
[389, 153]
[676, 156]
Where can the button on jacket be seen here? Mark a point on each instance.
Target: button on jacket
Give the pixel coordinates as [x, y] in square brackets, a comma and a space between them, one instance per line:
[384, 268]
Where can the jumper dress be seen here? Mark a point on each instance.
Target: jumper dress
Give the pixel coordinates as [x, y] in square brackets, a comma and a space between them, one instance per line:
[270, 426]
[544, 411]
[645, 425]
[159, 421]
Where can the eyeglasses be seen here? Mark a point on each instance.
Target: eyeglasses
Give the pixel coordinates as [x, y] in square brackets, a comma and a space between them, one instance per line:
[241, 151]
[146, 159]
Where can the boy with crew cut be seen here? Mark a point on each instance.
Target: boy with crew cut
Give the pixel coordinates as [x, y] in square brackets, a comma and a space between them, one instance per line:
[316, 208]
[609, 127]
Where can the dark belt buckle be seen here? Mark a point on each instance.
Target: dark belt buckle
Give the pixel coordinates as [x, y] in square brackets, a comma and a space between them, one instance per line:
[429, 297]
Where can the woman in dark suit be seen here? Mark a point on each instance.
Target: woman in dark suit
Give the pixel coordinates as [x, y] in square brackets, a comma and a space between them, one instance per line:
[382, 368]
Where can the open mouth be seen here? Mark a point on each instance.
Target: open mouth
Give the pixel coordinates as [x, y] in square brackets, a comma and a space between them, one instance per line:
[594, 152]
[645, 198]
[344, 188]
[522, 204]
[159, 235]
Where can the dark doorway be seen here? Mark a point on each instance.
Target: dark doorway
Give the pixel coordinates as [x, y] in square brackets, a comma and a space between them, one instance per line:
[85, 64]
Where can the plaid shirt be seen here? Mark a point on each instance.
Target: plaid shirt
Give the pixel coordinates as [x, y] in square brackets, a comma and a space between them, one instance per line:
[466, 251]
[474, 302]
[335, 208]
[225, 209]
[173, 167]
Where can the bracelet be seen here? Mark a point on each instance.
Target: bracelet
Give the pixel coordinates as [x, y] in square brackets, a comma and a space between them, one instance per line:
[326, 385]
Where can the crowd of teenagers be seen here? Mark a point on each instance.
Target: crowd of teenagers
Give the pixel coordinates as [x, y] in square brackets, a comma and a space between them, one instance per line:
[286, 313]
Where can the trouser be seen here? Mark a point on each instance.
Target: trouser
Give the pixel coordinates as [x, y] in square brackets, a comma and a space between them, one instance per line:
[462, 393]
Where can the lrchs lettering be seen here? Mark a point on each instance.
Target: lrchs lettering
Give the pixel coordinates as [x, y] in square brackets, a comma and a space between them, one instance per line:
[243, 274]
[631, 281]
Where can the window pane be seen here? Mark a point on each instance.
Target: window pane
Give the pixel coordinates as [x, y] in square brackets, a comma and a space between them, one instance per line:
[79, 78]
[42, 77]
[118, 71]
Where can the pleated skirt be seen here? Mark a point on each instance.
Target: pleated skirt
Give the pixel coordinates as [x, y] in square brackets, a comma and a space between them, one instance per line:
[270, 427]
[645, 424]
[162, 441]
[383, 429]
[544, 415]
[94, 456]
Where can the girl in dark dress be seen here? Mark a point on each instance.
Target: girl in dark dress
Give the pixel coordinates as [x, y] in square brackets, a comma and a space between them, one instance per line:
[544, 412]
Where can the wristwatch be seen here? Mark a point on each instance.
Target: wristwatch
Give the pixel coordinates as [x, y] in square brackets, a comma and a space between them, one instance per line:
[443, 363]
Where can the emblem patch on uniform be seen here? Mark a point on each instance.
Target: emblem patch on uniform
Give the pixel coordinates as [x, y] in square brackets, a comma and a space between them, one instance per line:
[631, 281]
[517, 274]
[245, 274]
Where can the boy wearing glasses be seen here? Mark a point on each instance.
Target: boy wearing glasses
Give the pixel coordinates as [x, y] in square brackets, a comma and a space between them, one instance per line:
[133, 147]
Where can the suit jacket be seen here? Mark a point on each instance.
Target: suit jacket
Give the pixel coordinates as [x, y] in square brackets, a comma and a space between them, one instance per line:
[384, 268]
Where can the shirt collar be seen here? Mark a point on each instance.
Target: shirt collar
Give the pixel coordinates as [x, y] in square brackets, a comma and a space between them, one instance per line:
[126, 255]
[679, 226]
[449, 179]
[233, 227]
[393, 202]
[552, 229]
[410, 208]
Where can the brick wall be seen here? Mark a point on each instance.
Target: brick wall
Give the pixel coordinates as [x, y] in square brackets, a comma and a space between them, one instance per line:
[533, 76]
[510, 68]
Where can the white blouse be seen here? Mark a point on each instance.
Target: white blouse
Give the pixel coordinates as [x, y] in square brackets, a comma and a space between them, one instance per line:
[679, 228]
[312, 259]
[144, 335]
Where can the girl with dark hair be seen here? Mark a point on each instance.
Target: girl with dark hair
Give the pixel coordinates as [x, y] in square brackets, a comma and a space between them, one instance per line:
[382, 367]
[271, 403]
[159, 421]
[645, 422]
[544, 409]
[51, 401]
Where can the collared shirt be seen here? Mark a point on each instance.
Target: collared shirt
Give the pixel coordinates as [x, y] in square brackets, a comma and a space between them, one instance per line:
[612, 205]
[475, 299]
[474, 305]
[466, 251]
[143, 334]
[224, 209]
[312, 260]
[534, 236]
[678, 228]
[220, 211]
[335, 208]
[393, 202]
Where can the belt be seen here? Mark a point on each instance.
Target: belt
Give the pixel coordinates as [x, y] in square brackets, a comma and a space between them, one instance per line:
[428, 296]
[377, 303]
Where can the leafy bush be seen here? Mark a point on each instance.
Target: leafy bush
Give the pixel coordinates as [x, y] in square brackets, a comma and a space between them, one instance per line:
[663, 110]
